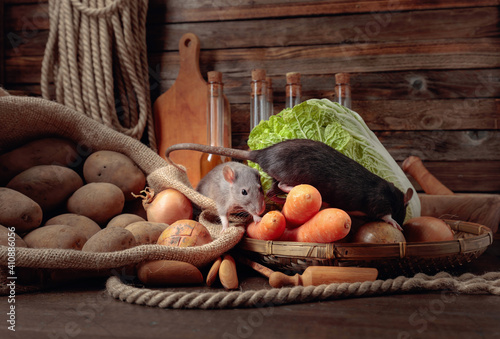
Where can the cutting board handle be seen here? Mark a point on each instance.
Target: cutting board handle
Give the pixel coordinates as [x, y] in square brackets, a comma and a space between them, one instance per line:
[189, 52]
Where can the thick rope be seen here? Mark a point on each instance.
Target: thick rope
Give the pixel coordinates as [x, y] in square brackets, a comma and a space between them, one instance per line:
[96, 50]
[488, 283]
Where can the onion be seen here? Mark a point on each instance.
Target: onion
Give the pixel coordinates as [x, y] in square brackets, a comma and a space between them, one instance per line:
[166, 206]
[427, 229]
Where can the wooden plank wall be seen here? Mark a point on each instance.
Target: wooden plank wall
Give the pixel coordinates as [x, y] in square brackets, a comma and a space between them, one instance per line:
[425, 74]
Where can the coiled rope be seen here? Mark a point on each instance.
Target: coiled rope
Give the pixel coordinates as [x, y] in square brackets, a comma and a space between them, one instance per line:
[467, 283]
[97, 57]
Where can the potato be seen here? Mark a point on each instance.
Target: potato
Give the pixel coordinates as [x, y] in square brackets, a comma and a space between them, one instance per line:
[49, 185]
[56, 236]
[124, 219]
[88, 226]
[19, 211]
[146, 232]
[110, 240]
[185, 233]
[115, 168]
[46, 151]
[378, 232]
[427, 229]
[168, 272]
[10, 238]
[100, 201]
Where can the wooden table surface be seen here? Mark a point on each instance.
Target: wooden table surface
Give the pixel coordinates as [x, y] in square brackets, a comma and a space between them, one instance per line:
[84, 310]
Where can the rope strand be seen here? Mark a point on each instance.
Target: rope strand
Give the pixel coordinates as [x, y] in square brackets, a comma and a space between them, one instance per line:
[96, 51]
[488, 283]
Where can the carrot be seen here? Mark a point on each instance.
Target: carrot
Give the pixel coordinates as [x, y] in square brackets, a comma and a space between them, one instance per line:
[328, 225]
[301, 204]
[271, 227]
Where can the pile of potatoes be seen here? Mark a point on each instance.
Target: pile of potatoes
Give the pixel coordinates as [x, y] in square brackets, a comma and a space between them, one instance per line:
[54, 194]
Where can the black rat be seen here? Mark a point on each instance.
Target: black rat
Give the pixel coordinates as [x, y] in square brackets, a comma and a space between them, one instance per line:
[342, 182]
[234, 187]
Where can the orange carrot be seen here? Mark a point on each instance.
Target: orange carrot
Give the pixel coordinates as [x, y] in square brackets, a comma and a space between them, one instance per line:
[301, 204]
[328, 225]
[271, 227]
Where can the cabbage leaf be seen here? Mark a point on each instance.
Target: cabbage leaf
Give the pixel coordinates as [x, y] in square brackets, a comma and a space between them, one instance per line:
[338, 127]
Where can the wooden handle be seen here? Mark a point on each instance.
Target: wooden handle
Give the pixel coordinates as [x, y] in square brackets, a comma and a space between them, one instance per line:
[189, 52]
[430, 184]
[318, 275]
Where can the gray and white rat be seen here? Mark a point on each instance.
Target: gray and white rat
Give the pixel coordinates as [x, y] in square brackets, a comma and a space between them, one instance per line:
[234, 187]
[342, 182]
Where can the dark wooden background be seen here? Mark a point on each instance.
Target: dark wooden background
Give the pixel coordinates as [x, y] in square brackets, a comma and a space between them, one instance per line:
[425, 74]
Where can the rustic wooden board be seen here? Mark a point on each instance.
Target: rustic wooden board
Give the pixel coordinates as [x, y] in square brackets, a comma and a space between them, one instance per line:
[205, 10]
[451, 114]
[464, 54]
[419, 85]
[357, 28]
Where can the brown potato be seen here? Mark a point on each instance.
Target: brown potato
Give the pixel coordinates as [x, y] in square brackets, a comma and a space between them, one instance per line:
[56, 236]
[11, 239]
[168, 272]
[115, 168]
[49, 185]
[146, 232]
[110, 240]
[100, 201]
[378, 232]
[124, 219]
[19, 211]
[46, 151]
[88, 226]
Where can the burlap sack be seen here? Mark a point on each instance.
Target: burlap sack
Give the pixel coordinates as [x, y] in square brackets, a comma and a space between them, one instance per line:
[25, 118]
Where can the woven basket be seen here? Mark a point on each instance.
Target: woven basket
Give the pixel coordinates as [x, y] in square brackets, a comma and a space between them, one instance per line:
[470, 241]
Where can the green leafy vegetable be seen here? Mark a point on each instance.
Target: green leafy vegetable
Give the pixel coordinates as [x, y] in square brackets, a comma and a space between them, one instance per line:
[339, 127]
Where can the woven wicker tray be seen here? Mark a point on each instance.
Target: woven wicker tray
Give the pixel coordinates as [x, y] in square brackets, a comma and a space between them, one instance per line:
[471, 240]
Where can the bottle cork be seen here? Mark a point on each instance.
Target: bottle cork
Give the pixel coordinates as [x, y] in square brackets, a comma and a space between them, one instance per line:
[342, 78]
[258, 81]
[293, 89]
[214, 76]
[269, 83]
[293, 78]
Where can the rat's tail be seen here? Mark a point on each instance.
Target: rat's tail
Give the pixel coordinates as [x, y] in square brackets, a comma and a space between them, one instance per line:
[224, 151]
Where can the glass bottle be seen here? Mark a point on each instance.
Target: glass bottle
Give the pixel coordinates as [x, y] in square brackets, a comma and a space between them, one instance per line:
[270, 97]
[293, 89]
[343, 89]
[215, 122]
[258, 98]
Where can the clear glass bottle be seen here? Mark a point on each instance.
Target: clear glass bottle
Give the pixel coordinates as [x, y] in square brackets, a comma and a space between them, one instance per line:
[270, 97]
[293, 89]
[343, 89]
[258, 98]
[215, 122]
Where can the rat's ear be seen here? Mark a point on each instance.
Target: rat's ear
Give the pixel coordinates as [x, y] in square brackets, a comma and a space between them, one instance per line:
[229, 174]
[408, 195]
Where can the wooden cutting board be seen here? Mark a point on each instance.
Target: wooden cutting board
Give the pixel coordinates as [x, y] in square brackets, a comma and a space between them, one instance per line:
[180, 113]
